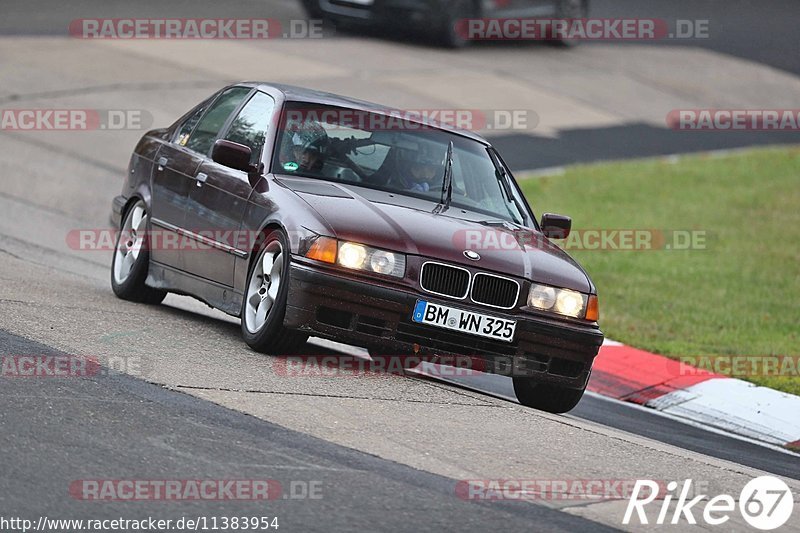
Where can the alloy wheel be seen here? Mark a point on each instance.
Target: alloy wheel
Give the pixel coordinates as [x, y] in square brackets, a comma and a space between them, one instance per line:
[263, 287]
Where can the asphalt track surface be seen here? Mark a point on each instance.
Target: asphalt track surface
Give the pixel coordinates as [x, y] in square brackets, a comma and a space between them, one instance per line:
[113, 426]
[119, 427]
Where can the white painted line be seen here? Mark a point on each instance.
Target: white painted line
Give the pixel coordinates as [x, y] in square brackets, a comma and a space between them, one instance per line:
[609, 342]
[540, 172]
[340, 347]
[692, 423]
[534, 173]
[737, 406]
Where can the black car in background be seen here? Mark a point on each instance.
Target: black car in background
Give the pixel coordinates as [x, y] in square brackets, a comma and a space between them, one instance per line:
[439, 17]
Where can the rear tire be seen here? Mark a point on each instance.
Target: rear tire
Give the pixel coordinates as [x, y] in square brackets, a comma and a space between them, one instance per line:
[545, 396]
[131, 259]
[264, 302]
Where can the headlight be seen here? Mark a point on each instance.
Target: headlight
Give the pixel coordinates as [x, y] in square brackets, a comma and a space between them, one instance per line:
[352, 255]
[562, 301]
[570, 303]
[382, 262]
[542, 297]
[358, 257]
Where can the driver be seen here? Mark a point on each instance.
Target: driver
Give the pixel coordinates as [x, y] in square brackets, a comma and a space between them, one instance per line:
[310, 154]
[304, 148]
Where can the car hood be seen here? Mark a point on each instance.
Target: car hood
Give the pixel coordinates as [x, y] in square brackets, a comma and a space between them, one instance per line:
[408, 225]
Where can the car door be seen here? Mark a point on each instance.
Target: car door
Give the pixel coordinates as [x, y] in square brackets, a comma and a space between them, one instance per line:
[218, 200]
[176, 173]
[173, 174]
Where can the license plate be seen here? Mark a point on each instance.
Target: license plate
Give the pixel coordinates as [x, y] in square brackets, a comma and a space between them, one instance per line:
[465, 321]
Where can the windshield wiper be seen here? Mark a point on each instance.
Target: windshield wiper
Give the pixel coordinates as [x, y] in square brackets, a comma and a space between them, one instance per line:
[447, 181]
[502, 177]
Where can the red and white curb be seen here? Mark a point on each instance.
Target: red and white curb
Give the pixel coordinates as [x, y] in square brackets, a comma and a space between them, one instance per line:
[702, 397]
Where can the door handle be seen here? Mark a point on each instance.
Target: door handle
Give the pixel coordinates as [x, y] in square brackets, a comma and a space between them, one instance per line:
[162, 161]
[201, 179]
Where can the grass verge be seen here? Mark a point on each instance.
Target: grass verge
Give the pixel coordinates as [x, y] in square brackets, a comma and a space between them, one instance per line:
[738, 294]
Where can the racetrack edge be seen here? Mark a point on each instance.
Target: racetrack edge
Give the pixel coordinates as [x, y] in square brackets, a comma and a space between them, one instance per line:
[681, 390]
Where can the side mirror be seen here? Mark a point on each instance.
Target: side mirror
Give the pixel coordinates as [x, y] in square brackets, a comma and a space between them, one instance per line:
[555, 226]
[233, 155]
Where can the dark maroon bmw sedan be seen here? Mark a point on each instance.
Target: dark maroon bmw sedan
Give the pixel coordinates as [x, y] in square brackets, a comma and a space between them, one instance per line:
[306, 213]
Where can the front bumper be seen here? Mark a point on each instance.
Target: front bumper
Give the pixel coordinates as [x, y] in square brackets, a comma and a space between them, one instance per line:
[358, 312]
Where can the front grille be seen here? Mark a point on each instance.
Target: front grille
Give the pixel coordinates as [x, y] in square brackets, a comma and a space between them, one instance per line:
[445, 280]
[494, 291]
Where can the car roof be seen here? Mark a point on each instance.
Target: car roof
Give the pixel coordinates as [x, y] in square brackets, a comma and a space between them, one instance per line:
[302, 94]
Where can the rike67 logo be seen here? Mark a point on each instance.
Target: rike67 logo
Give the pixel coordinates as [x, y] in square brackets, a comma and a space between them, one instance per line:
[765, 503]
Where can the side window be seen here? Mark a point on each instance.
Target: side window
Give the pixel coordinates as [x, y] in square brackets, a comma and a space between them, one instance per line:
[250, 126]
[182, 135]
[208, 127]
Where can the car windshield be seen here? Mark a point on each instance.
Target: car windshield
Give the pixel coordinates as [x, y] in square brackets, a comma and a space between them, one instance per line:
[388, 153]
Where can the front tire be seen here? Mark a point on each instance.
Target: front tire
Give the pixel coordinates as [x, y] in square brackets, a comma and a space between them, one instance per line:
[264, 303]
[570, 9]
[314, 11]
[545, 396]
[131, 259]
[452, 34]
